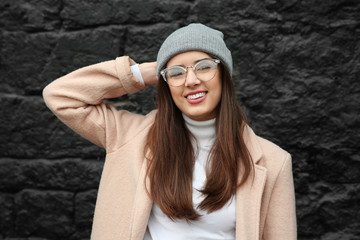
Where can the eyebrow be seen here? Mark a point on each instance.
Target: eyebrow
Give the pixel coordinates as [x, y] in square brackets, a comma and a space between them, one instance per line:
[193, 64]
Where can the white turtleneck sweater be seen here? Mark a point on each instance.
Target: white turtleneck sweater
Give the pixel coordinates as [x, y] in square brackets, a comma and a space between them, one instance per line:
[216, 225]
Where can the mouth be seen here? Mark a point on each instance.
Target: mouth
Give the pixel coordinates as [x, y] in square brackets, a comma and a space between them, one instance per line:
[195, 95]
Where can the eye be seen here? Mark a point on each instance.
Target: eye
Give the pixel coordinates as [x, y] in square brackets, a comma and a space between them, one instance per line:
[205, 65]
[175, 73]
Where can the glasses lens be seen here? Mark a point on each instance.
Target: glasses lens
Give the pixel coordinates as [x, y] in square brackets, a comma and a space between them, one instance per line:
[175, 76]
[205, 70]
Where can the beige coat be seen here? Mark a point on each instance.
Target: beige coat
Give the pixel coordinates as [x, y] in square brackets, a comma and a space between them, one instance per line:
[265, 205]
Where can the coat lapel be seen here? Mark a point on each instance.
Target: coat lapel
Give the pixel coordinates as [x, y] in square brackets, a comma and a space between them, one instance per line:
[248, 204]
[248, 196]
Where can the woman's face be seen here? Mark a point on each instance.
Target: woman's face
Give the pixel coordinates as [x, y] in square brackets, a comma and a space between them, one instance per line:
[200, 107]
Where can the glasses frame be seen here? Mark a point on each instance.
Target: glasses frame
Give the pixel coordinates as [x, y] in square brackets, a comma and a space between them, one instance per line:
[163, 72]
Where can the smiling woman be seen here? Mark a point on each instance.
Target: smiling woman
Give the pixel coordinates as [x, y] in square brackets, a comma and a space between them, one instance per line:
[192, 168]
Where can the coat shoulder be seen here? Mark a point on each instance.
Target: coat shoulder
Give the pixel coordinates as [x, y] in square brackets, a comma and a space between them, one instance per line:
[273, 156]
[271, 149]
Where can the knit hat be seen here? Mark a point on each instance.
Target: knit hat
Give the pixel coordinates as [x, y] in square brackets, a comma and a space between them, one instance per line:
[195, 36]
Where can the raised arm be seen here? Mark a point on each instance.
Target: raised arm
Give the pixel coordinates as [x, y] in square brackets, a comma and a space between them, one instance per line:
[77, 100]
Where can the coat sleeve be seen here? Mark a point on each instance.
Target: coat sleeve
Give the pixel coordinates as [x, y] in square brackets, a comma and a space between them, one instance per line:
[77, 100]
[280, 222]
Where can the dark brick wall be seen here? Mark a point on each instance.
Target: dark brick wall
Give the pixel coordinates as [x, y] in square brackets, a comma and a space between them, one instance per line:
[297, 69]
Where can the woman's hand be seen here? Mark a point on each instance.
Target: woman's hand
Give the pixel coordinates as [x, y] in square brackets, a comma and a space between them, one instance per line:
[148, 72]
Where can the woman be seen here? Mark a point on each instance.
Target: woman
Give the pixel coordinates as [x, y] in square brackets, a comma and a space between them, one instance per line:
[193, 168]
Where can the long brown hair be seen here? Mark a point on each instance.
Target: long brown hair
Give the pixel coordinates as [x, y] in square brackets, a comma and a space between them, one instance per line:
[171, 156]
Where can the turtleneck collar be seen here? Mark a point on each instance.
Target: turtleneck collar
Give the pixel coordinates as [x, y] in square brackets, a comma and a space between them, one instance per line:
[203, 131]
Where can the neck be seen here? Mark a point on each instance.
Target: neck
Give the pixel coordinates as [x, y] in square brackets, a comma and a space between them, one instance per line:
[203, 131]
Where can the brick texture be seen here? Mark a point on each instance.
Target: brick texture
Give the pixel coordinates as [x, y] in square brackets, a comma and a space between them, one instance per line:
[296, 75]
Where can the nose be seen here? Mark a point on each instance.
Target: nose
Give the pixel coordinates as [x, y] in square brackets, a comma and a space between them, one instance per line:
[191, 79]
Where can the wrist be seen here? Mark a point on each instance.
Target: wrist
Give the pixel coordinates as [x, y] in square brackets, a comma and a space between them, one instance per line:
[137, 73]
[148, 71]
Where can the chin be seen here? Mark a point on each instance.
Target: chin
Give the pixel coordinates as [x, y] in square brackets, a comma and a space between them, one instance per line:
[200, 117]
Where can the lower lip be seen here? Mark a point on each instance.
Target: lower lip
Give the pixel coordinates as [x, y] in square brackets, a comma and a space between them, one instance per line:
[197, 100]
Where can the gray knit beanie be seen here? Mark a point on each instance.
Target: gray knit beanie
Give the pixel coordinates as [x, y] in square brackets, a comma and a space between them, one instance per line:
[195, 36]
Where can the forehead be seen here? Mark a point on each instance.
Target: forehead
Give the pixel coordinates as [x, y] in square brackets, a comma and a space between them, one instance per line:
[187, 58]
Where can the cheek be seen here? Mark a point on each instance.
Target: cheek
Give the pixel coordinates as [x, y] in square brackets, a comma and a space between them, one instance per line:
[175, 92]
[216, 87]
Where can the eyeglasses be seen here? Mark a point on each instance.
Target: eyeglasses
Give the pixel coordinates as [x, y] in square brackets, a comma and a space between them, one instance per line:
[204, 70]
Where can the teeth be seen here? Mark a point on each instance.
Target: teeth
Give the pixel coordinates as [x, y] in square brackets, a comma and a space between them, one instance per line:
[198, 95]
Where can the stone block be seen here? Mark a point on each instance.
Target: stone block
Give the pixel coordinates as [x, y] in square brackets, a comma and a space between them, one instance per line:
[25, 123]
[340, 235]
[84, 211]
[38, 15]
[143, 43]
[157, 11]
[47, 214]
[302, 182]
[33, 131]
[23, 58]
[6, 210]
[146, 99]
[328, 210]
[230, 12]
[80, 14]
[339, 208]
[335, 167]
[309, 222]
[79, 49]
[317, 12]
[67, 174]
[95, 13]
[47, 56]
